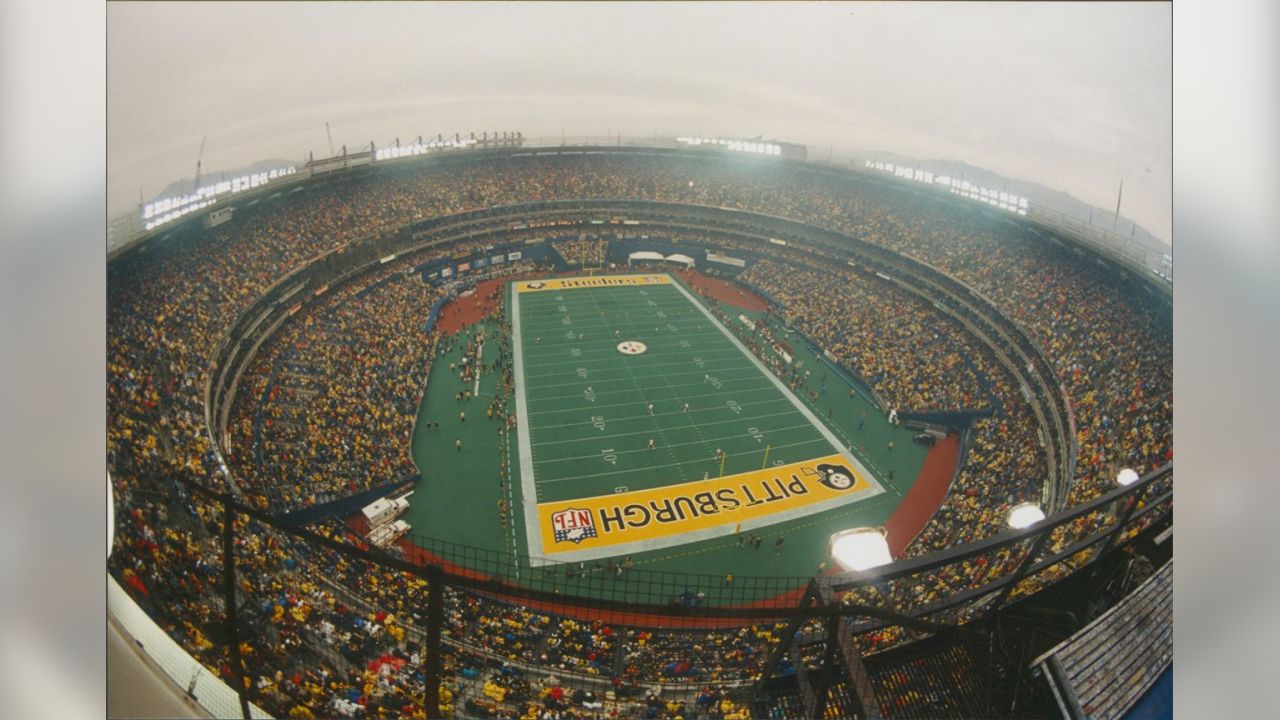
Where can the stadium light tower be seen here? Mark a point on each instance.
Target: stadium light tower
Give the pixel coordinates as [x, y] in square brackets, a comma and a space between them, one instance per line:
[1024, 515]
[860, 548]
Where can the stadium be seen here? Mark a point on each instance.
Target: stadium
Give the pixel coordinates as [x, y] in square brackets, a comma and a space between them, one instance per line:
[497, 426]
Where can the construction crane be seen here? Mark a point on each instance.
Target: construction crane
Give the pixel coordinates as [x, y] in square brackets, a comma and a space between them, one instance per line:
[326, 132]
[199, 159]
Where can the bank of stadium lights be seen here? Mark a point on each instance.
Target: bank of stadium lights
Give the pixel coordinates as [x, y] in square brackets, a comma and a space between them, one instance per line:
[400, 151]
[1024, 515]
[747, 146]
[169, 209]
[860, 548]
[1006, 201]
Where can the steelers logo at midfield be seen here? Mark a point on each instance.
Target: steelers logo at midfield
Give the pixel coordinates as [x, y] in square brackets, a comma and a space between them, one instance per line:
[632, 347]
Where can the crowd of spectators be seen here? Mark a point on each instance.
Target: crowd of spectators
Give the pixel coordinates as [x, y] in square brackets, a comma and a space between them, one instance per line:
[327, 406]
[581, 251]
[907, 351]
[316, 649]
[323, 634]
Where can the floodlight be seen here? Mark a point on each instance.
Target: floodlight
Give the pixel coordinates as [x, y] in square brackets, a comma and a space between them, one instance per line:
[860, 548]
[1127, 477]
[1025, 515]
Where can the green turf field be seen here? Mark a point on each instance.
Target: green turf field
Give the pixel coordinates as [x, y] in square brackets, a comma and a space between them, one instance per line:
[694, 405]
[456, 506]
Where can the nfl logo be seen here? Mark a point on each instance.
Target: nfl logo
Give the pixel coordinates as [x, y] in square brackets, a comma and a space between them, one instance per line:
[653, 279]
[573, 525]
[535, 285]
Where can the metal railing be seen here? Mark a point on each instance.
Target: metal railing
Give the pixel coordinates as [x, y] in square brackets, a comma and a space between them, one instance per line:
[433, 597]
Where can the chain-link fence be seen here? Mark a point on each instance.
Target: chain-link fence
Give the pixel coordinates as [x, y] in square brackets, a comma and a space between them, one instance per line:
[309, 621]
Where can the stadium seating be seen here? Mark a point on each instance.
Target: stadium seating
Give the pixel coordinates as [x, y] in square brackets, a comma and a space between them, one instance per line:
[327, 406]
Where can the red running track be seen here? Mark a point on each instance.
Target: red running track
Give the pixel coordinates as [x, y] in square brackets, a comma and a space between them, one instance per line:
[729, 293]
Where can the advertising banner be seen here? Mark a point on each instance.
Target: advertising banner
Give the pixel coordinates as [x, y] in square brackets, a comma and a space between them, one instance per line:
[592, 282]
[673, 514]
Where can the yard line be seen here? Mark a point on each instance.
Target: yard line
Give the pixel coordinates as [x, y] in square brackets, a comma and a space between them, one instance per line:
[612, 354]
[671, 388]
[551, 305]
[610, 405]
[718, 408]
[614, 357]
[630, 314]
[737, 435]
[654, 467]
[709, 455]
[721, 374]
[662, 433]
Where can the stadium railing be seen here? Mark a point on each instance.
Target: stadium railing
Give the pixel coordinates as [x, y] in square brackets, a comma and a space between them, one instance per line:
[850, 609]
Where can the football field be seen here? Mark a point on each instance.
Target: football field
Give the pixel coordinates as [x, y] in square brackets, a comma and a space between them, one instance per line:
[643, 423]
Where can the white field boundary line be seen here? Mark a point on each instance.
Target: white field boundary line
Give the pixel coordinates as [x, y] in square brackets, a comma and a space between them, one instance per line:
[528, 486]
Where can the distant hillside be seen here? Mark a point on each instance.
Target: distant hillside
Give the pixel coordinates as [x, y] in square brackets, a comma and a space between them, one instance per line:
[187, 185]
[1035, 192]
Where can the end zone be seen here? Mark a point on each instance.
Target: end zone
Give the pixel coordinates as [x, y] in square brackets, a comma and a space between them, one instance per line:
[620, 523]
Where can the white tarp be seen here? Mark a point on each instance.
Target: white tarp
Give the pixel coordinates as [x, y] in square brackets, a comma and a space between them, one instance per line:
[645, 255]
[682, 259]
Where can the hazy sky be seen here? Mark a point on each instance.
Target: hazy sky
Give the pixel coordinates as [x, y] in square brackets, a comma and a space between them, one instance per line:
[1071, 95]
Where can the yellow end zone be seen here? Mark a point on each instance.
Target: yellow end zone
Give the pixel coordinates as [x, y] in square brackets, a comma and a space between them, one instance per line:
[608, 520]
[576, 283]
